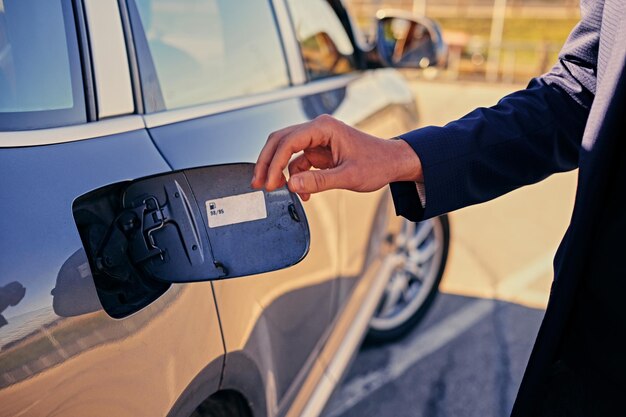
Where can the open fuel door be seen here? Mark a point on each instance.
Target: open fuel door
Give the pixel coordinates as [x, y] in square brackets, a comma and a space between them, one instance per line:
[192, 225]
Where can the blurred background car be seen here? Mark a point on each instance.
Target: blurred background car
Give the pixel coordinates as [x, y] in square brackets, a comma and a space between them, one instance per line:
[96, 93]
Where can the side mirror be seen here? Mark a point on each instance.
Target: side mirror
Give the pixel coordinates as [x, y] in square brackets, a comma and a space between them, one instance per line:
[192, 225]
[403, 42]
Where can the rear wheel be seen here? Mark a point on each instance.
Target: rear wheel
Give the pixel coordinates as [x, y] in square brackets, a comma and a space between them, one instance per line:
[413, 285]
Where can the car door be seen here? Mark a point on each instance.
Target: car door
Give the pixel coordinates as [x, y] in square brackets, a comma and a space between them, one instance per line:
[376, 101]
[379, 102]
[68, 126]
[217, 79]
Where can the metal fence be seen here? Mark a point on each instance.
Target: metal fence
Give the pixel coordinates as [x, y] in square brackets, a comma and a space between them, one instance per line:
[556, 9]
[517, 61]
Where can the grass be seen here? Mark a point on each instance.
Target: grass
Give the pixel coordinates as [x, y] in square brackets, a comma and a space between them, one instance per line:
[530, 46]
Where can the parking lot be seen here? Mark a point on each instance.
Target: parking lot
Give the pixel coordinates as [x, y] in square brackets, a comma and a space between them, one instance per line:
[468, 356]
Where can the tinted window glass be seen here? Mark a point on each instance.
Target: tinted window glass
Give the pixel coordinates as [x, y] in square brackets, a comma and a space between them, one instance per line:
[40, 81]
[325, 45]
[207, 50]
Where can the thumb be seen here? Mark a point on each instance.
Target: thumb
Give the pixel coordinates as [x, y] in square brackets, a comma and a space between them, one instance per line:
[309, 182]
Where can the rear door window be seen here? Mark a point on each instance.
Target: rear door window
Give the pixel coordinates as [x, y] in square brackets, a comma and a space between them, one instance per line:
[40, 73]
[325, 46]
[208, 50]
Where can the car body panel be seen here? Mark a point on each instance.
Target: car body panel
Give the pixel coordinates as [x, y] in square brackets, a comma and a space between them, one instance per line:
[263, 316]
[61, 353]
[260, 314]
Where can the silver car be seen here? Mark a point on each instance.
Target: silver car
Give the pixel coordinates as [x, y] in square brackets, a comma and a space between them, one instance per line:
[97, 96]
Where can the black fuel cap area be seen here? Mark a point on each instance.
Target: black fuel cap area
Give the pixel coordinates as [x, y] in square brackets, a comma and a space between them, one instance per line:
[187, 226]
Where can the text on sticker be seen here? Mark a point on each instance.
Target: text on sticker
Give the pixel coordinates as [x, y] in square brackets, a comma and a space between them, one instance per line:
[236, 209]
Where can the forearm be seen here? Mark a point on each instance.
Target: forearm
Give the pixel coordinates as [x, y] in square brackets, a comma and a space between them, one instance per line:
[527, 136]
[491, 151]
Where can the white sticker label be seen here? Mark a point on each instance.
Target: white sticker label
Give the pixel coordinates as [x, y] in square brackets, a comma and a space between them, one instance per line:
[236, 209]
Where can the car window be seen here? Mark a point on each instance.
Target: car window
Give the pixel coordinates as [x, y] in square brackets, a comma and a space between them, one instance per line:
[411, 42]
[40, 77]
[208, 50]
[325, 46]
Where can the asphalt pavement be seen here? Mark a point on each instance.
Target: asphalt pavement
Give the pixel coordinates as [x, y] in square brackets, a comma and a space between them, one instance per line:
[468, 355]
[466, 359]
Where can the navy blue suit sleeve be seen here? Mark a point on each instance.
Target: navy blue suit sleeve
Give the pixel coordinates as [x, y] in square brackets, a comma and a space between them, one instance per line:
[527, 136]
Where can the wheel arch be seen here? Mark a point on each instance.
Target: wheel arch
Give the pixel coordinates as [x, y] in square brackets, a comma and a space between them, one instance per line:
[232, 382]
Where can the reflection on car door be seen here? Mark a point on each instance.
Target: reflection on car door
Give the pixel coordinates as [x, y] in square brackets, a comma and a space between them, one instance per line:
[60, 352]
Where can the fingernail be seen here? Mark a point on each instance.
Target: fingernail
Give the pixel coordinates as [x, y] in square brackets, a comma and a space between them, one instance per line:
[253, 178]
[297, 183]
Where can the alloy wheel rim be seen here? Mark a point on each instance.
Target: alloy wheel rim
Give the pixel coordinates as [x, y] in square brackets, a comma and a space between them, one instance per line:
[421, 247]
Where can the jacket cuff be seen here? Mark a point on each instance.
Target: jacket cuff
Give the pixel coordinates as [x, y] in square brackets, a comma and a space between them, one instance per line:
[407, 201]
[425, 142]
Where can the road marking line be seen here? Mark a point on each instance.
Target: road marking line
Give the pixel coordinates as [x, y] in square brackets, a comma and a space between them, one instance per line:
[406, 354]
[520, 280]
[534, 298]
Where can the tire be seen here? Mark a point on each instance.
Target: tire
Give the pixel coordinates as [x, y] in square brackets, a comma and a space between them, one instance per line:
[223, 404]
[414, 285]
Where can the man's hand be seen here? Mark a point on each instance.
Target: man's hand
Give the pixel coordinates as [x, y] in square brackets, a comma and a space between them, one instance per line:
[345, 158]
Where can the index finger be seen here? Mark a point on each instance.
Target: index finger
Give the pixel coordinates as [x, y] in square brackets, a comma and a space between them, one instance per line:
[266, 155]
[307, 136]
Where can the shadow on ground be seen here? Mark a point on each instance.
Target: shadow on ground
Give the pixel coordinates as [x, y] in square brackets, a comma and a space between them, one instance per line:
[466, 358]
